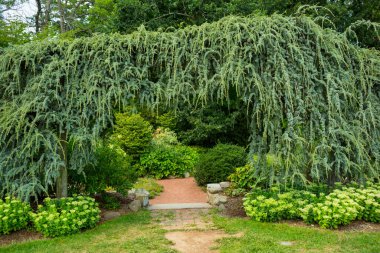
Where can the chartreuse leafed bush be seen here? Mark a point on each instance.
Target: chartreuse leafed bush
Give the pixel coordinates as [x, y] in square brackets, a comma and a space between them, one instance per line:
[218, 163]
[340, 207]
[274, 206]
[163, 161]
[132, 133]
[14, 215]
[66, 216]
[311, 95]
[343, 206]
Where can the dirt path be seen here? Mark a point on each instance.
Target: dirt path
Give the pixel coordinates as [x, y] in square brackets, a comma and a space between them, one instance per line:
[180, 190]
[190, 230]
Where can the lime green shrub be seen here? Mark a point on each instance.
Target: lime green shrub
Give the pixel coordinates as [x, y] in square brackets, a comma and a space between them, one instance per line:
[272, 206]
[340, 207]
[58, 217]
[167, 160]
[150, 185]
[344, 206]
[14, 215]
[218, 163]
[132, 133]
[164, 136]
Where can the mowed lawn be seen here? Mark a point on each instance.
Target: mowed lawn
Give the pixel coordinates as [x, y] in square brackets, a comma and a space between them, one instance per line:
[138, 233]
[267, 237]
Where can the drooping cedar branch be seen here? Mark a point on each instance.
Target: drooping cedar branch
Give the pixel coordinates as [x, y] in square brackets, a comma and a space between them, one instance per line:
[313, 97]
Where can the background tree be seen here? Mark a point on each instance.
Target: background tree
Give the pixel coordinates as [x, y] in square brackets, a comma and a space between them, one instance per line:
[12, 31]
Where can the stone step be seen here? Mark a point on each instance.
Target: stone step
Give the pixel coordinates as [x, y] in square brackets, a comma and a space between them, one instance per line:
[179, 206]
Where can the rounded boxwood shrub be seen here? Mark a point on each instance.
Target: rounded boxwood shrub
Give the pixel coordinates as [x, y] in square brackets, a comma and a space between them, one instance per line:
[14, 215]
[66, 216]
[218, 163]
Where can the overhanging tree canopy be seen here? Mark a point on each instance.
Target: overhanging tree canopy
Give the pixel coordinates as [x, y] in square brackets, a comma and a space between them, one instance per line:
[312, 96]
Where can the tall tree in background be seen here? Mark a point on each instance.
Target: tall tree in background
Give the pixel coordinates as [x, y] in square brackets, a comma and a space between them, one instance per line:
[126, 16]
[12, 31]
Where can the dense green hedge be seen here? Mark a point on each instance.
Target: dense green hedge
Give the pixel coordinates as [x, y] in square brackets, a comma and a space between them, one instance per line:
[218, 163]
[163, 161]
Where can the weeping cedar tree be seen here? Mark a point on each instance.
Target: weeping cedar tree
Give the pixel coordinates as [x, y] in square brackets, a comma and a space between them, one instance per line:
[313, 98]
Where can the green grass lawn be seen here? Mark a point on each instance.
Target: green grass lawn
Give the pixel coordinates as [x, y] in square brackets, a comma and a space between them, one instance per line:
[130, 233]
[138, 233]
[266, 237]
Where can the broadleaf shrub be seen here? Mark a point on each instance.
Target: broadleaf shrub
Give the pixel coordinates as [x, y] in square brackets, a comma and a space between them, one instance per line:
[65, 216]
[112, 168]
[14, 215]
[344, 206]
[218, 163]
[168, 160]
[340, 207]
[273, 206]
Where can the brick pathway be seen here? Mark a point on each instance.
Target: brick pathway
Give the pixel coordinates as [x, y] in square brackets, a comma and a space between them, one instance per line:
[180, 190]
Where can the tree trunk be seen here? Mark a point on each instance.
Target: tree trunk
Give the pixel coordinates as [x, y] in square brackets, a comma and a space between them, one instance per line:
[61, 16]
[47, 14]
[61, 186]
[38, 14]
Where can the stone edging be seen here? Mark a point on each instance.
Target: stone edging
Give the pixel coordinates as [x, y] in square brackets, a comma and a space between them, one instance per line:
[216, 196]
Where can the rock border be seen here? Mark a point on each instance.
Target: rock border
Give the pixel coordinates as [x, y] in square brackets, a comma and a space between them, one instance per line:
[216, 196]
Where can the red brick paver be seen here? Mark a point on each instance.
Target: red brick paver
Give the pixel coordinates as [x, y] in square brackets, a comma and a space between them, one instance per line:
[180, 190]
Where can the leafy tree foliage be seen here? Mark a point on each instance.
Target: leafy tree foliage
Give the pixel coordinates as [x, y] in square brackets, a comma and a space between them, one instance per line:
[13, 33]
[126, 16]
[312, 97]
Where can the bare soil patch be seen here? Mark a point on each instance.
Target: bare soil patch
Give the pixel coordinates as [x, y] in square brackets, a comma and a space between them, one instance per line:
[234, 207]
[196, 241]
[361, 226]
[19, 236]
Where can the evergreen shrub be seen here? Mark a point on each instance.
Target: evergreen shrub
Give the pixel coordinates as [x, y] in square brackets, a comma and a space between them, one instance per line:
[112, 168]
[218, 163]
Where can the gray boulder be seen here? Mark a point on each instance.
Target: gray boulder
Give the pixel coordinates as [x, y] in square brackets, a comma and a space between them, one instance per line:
[214, 188]
[143, 196]
[224, 185]
[135, 205]
[216, 199]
